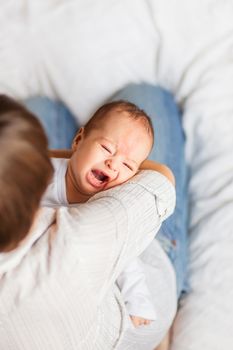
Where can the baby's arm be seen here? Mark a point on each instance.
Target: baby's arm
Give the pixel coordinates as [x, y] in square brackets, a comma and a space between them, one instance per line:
[136, 295]
[60, 153]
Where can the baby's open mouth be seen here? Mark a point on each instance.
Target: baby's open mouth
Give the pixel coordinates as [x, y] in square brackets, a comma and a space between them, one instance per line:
[98, 178]
[99, 175]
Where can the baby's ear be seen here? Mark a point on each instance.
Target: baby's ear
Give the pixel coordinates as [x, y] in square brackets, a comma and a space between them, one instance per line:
[78, 137]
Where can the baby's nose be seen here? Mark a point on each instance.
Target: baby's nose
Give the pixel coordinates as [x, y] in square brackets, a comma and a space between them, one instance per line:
[112, 164]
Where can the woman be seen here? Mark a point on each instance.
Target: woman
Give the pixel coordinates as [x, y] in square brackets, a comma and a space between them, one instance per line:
[57, 286]
[168, 149]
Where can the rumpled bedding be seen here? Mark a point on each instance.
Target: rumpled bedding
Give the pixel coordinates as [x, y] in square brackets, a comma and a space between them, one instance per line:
[84, 51]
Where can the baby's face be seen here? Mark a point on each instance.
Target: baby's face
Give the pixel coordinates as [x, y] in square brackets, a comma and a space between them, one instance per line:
[110, 155]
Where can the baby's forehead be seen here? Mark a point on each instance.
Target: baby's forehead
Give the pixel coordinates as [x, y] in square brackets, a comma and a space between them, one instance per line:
[119, 114]
[133, 134]
[116, 113]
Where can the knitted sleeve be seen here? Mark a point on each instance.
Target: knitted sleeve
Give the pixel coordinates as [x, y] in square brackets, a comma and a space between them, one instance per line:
[117, 225]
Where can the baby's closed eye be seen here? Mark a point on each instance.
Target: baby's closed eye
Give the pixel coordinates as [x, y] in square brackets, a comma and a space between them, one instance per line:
[106, 149]
[128, 166]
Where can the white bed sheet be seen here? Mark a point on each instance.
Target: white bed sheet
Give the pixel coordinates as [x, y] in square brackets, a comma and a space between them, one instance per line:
[83, 51]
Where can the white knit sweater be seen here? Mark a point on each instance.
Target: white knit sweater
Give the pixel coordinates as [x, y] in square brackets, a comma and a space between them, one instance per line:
[57, 289]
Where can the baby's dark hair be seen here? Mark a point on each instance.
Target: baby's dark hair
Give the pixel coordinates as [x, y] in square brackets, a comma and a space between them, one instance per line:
[25, 170]
[133, 111]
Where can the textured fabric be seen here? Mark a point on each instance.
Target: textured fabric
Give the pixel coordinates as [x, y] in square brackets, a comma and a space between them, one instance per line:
[57, 290]
[134, 290]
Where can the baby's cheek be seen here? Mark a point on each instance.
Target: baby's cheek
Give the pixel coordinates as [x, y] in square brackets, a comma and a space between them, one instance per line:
[130, 175]
[124, 178]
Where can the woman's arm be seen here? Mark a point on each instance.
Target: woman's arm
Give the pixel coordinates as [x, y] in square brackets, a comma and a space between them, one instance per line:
[114, 226]
[146, 165]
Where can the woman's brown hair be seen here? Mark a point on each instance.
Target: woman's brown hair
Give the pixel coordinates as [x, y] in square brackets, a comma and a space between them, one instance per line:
[25, 170]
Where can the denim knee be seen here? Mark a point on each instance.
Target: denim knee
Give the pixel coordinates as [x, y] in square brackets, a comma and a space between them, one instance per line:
[59, 124]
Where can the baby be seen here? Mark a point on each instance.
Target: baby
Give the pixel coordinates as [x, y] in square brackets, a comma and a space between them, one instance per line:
[106, 152]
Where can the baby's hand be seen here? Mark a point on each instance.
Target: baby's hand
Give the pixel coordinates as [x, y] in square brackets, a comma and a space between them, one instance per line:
[138, 321]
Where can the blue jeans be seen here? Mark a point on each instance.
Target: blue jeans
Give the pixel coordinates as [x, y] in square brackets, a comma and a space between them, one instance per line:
[58, 122]
[168, 149]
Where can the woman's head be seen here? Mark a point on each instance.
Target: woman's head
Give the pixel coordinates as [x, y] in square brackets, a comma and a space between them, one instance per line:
[25, 170]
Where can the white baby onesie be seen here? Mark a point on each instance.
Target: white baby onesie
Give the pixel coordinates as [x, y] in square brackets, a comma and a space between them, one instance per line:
[132, 281]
